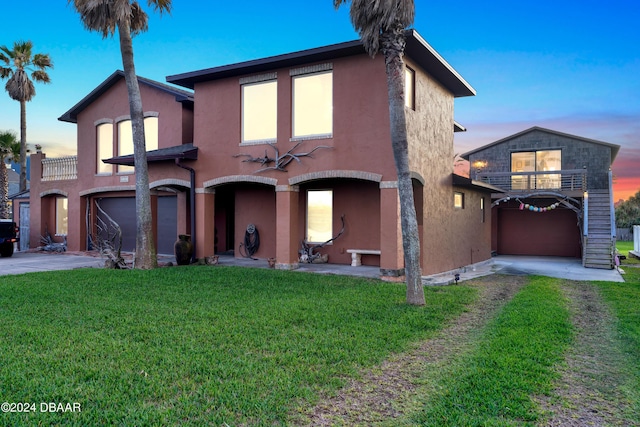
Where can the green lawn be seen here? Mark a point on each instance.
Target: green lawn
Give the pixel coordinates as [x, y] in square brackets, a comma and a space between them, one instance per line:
[198, 345]
[213, 345]
[624, 301]
[624, 248]
[514, 360]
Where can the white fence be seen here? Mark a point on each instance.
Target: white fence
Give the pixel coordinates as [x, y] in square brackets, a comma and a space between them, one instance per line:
[61, 168]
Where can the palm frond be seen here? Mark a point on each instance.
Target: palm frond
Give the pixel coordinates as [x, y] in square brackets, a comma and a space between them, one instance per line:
[370, 18]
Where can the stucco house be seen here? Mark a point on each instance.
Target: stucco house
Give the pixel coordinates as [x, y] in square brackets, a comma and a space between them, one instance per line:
[556, 195]
[296, 145]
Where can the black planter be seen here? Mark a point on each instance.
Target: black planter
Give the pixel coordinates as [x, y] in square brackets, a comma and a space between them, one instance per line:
[183, 249]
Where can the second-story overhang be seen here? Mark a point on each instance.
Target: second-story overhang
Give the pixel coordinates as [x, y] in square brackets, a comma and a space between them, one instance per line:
[178, 152]
[417, 49]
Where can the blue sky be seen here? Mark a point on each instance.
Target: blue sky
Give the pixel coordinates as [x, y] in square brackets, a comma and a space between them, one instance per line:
[572, 66]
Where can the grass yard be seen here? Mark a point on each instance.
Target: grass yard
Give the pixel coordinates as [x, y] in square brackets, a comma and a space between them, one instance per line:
[513, 361]
[624, 248]
[624, 301]
[198, 346]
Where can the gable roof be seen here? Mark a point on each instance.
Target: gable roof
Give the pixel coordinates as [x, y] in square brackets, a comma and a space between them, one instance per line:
[71, 116]
[416, 48]
[614, 147]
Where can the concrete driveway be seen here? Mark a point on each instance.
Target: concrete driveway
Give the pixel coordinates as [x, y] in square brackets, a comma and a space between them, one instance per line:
[30, 262]
[563, 268]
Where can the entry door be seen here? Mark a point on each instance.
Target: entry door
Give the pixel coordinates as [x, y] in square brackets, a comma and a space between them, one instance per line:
[25, 214]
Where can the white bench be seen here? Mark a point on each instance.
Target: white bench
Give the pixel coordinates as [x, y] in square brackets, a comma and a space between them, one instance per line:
[356, 255]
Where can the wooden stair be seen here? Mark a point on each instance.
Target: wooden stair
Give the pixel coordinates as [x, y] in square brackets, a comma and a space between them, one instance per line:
[599, 245]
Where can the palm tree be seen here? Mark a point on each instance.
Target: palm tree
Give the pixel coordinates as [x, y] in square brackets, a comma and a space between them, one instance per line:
[381, 25]
[20, 88]
[104, 16]
[9, 149]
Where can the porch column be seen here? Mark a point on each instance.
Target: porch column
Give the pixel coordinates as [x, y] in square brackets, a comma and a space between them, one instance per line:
[154, 217]
[392, 256]
[205, 222]
[287, 227]
[76, 234]
[182, 215]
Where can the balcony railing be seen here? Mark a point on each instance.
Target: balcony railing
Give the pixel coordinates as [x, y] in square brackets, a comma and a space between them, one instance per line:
[60, 168]
[561, 181]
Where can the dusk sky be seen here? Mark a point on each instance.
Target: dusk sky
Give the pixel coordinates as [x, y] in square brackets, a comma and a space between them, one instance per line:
[570, 66]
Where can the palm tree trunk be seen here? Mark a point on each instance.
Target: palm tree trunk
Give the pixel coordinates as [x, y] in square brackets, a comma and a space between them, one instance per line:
[393, 43]
[145, 256]
[4, 191]
[23, 145]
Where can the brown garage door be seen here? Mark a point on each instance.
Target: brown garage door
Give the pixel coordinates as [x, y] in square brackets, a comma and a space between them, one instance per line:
[553, 233]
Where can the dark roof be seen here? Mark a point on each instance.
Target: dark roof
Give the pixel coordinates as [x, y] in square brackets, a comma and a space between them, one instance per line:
[71, 116]
[463, 181]
[614, 147]
[183, 152]
[416, 48]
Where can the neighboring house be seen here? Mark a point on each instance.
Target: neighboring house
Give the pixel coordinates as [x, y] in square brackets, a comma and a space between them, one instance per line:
[75, 197]
[290, 144]
[556, 197]
[14, 182]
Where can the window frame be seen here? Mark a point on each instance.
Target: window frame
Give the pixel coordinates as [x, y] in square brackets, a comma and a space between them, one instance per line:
[308, 211]
[315, 111]
[62, 224]
[409, 88]
[243, 115]
[104, 148]
[458, 200]
[549, 181]
[127, 170]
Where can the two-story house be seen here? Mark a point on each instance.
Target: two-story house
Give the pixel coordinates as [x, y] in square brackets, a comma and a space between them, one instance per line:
[556, 195]
[297, 146]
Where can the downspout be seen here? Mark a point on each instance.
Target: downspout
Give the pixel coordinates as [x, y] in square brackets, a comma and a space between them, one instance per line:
[192, 205]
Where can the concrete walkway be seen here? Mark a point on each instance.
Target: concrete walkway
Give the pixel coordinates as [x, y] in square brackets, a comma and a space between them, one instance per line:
[563, 268]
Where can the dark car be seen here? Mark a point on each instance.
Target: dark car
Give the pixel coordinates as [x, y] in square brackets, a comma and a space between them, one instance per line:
[8, 236]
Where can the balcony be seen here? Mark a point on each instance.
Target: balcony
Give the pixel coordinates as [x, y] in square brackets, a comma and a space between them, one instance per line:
[569, 182]
[59, 169]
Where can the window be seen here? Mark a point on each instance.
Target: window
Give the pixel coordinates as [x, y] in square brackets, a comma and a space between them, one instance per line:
[259, 111]
[409, 88]
[536, 161]
[482, 210]
[61, 216]
[458, 200]
[104, 148]
[313, 105]
[125, 139]
[319, 215]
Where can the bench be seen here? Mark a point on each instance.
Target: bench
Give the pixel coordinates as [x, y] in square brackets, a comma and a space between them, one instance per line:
[356, 255]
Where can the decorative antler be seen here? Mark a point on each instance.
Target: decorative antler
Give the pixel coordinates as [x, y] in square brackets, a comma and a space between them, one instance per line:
[281, 162]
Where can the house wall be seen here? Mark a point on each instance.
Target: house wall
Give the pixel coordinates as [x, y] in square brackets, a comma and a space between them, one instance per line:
[451, 238]
[576, 154]
[113, 105]
[218, 126]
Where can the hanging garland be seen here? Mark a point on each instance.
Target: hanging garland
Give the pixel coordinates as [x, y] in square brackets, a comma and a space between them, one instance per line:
[529, 207]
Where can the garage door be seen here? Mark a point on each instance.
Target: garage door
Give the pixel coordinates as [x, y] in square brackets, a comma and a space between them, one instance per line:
[553, 233]
[123, 211]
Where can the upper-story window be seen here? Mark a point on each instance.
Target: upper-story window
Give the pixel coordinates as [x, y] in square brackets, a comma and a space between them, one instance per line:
[536, 161]
[259, 111]
[125, 139]
[312, 104]
[409, 88]
[104, 148]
